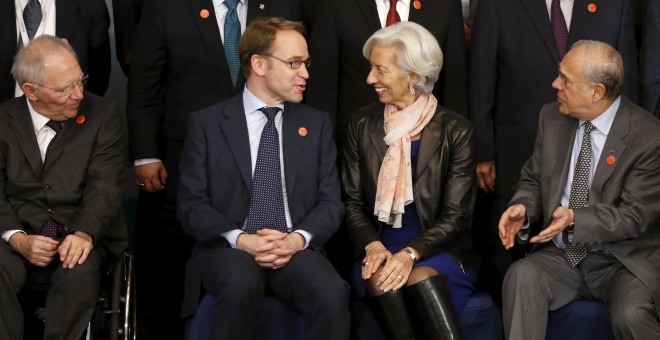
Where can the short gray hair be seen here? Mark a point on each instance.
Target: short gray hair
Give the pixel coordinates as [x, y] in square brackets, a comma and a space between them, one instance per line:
[603, 65]
[417, 51]
[29, 62]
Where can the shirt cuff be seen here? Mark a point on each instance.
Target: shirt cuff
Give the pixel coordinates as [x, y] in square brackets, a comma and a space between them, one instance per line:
[9, 233]
[307, 236]
[523, 233]
[231, 236]
[144, 161]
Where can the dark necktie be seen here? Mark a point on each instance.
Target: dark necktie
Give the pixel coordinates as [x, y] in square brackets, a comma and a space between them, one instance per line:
[32, 19]
[267, 198]
[559, 29]
[580, 191]
[232, 36]
[52, 228]
[392, 15]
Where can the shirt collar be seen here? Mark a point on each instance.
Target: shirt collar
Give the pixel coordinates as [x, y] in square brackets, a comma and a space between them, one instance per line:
[251, 103]
[604, 122]
[38, 120]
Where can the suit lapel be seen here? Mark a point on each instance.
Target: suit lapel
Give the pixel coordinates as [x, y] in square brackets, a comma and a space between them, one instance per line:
[614, 146]
[563, 152]
[420, 15]
[65, 12]
[210, 33]
[376, 136]
[234, 127]
[370, 14]
[21, 123]
[538, 12]
[430, 141]
[260, 8]
[293, 143]
[580, 20]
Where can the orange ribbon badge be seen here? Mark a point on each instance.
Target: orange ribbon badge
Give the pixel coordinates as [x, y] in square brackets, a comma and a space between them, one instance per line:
[417, 4]
[592, 7]
[204, 13]
[302, 131]
[80, 119]
[611, 160]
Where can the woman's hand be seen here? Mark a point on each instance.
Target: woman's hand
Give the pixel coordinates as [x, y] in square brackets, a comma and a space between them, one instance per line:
[395, 273]
[376, 255]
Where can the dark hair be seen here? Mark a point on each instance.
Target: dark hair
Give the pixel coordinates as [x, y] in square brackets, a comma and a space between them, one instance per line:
[259, 37]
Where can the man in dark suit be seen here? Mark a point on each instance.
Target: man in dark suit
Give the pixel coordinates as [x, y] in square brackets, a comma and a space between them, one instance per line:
[341, 28]
[260, 194]
[593, 181]
[178, 65]
[62, 157]
[649, 68]
[83, 23]
[513, 59]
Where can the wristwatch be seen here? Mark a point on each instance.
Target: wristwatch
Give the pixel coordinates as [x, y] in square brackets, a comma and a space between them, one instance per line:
[410, 253]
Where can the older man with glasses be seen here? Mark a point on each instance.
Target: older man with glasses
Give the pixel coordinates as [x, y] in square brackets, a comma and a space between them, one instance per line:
[61, 163]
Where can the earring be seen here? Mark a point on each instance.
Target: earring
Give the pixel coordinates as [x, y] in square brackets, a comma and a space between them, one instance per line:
[412, 90]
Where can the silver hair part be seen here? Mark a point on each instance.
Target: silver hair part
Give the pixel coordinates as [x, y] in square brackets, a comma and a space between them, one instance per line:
[604, 65]
[417, 51]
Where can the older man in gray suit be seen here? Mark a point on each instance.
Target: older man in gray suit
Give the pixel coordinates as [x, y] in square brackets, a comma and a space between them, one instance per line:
[594, 182]
[61, 161]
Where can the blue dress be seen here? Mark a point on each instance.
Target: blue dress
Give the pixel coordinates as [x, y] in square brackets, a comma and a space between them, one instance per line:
[461, 281]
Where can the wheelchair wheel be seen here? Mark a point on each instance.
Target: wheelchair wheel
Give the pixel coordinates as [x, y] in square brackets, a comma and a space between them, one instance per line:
[115, 316]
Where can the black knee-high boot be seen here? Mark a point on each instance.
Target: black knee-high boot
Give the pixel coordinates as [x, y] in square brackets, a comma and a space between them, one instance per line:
[435, 308]
[390, 311]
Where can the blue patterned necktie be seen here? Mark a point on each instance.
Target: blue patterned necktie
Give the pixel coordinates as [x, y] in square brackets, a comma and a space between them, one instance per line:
[559, 28]
[267, 198]
[580, 191]
[32, 18]
[53, 228]
[232, 36]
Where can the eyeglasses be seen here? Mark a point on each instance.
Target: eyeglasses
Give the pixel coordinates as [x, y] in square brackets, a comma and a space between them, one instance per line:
[69, 89]
[294, 64]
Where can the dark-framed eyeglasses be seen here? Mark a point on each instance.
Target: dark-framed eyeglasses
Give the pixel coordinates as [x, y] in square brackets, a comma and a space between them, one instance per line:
[293, 64]
[65, 91]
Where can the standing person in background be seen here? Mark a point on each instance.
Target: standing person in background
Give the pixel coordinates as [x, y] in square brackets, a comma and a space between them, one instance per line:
[649, 65]
[126, 15]
[82, 23]
[184, 58]
[513, 59]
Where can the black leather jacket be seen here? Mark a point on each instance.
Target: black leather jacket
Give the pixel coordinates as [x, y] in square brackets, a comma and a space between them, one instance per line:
[443, 185]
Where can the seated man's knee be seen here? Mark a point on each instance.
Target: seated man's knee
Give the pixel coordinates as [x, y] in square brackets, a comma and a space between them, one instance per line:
[12, 271]
[631, 316]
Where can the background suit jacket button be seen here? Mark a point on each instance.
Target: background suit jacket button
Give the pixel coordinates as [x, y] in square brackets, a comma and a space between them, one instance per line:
[47, 186]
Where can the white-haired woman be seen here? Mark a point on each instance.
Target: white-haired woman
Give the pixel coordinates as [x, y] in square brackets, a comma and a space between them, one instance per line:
[408, 175]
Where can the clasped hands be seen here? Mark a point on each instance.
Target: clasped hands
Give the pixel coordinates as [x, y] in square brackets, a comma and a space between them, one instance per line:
[270, 248]
[514, 217]
[41, 250]
[391, 276]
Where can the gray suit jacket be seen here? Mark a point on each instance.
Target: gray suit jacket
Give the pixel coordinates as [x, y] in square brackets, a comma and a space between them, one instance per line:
[624, 198]
[216, 177]
[81, 183]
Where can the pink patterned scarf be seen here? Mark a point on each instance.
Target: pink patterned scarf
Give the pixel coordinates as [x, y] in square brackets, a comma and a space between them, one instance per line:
[395, 189]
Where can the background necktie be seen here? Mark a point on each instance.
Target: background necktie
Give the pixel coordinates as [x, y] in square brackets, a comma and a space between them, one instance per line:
[267, 198]
[52, 228]
[580, 191]
[392, 14]
[32, 19]
[559, 29]
[232, 36]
